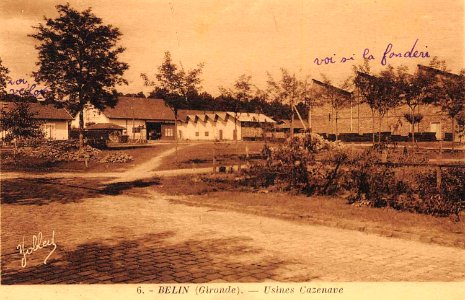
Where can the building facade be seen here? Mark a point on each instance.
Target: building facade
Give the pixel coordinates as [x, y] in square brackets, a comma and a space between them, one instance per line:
[54, 122]
[360, 119]
[142, 118]
[209, 126]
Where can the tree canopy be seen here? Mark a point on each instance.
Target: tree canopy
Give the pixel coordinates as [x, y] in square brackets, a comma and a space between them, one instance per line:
[19, 122]
[172, 83]
[79, 59]
[3, 78]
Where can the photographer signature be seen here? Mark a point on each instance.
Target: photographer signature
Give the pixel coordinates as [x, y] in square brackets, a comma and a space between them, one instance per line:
[37, 243]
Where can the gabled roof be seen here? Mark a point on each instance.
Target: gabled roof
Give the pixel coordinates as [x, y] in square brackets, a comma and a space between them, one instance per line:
[105, 126]
[254, 117]
[41, 111]
[333, 88]
[140, 109]
[437, 71]
[186, 115]
[287, 124]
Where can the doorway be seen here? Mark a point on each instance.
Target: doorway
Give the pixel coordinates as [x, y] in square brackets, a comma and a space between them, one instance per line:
[153, 130]
[436, 128]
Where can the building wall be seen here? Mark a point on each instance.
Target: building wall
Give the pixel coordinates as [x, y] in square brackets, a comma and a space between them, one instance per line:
[167, 132]
[91, 115]
[129, 125]
[196, 130]
[55, 130]
[358, 119]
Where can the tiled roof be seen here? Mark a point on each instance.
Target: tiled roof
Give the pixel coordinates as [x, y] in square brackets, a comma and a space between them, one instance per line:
[140, 109]
[42, 111]
[105, 126]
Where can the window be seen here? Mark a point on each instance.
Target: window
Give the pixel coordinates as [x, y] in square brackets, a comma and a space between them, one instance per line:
[206, 133]
[196, 133]
[169, 132]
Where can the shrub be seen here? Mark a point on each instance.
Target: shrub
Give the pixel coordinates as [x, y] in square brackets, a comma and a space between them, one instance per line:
[449, 199]
[372, 182]
[292, 165]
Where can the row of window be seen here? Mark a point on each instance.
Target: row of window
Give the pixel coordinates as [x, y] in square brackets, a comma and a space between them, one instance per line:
[207, 133]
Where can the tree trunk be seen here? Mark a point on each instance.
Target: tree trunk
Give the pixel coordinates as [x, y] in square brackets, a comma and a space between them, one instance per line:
[453, 133]
[358, 116]
[335, 125]
[310, 122]
[292, 118]
[81, 129]
[310, 118]
[176, 134]
[235, 126]
[379, 129]
[413, 124]
[373, 126]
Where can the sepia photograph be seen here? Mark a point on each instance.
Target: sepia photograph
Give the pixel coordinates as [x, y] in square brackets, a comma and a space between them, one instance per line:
[197, 145]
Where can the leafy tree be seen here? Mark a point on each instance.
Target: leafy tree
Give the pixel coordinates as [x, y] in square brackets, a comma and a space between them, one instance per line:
[337, 98]
[243, 91]
[310, 99]
[175, 85]
[3, 78]
[286, 90]
[135, 95]
[415, 90]
[19, 122]
[450, 93]
[461, 123]
[78, 61]
[389, 94]
[413, 118]
[381, 93]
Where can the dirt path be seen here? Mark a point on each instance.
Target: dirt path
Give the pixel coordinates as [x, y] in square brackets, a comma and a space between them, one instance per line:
[147, 238]
[145, 170]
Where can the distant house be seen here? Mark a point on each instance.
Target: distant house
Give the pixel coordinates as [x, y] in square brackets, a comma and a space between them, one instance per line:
[54, 121]
[221, 125]
[141, 118]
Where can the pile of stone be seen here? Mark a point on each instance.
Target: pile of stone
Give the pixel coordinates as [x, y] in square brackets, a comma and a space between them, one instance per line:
[60, 151]
[117, 157]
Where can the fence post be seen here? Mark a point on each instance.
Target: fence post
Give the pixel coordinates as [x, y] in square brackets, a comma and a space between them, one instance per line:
[438, 178]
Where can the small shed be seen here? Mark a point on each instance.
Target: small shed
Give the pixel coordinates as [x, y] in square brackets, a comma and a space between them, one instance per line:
[105, 131]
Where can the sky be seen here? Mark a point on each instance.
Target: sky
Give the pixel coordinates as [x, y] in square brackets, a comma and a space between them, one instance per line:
[251, 37]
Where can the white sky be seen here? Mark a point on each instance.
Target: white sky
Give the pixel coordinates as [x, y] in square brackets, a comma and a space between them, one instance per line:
[251, 37]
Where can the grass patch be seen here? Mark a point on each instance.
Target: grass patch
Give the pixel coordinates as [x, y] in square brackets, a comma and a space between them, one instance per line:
[201, 155]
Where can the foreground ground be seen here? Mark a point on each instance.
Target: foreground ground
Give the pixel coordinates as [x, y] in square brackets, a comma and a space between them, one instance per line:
[142, 237]
[124, 229]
